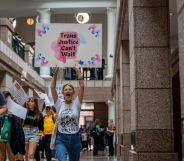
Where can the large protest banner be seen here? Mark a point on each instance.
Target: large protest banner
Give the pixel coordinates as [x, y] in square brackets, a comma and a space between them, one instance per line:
[67, 45]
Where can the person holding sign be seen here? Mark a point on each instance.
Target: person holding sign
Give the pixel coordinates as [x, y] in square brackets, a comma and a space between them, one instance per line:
[32, 124]
[68, 139]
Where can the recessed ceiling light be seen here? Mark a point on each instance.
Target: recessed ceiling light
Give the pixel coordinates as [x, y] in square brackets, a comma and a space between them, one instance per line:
[82, 17]
[30, 21]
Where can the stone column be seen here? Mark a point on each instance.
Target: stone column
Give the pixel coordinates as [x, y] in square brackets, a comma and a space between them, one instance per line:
[125, 101]
[111, 112]
[29, 91]
[29, 55]
[44, 17]
[6, 81]
[150, 84]
[181, 52]
[111, 26]
[180, 15]
[6, 29]
[118, 114]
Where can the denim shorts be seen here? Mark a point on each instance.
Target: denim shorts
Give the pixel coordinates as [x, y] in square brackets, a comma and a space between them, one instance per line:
[31, 134]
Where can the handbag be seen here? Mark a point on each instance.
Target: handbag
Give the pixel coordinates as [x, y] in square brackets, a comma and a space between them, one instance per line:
[53, 136]
[5, 131]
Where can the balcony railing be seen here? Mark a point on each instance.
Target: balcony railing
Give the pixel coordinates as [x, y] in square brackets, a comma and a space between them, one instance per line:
[87, 73]
[18, 48]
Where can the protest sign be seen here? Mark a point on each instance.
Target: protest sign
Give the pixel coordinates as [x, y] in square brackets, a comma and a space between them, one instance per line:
[16, 109]
[68, 45]
[18, 92]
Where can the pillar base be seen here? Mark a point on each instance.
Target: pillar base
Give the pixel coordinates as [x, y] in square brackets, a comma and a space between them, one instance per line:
[108, 77]
[134, 156]
[124, 153]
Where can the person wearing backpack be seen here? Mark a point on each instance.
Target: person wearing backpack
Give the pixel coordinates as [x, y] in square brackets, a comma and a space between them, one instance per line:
[49, 121]
[5, 132]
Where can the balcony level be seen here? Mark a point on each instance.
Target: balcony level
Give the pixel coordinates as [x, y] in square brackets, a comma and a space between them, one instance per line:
[95, 90]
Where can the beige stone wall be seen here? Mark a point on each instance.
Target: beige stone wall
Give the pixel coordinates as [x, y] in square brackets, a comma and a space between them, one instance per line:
[125, 100]
[6, 30]
[180, 13]
[150, 83]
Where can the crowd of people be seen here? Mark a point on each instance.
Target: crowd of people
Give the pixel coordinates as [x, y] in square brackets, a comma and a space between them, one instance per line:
[97, 137]
[25, 139]
[22, 140]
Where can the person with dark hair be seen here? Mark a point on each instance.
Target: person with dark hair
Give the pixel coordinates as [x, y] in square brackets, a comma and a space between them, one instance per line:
[3, 107]
[49, 121]
[15, 146]
[17, 140]
[4, 144]
[84, 138]
[67, 138]
[96, 136]
[32, 124]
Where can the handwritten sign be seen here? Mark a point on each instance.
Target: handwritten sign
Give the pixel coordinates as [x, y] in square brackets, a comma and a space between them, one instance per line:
[47, 100]
[18, 92]
[68, 45]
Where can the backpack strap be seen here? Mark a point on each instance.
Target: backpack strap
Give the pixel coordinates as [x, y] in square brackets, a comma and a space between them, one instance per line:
[53, 119]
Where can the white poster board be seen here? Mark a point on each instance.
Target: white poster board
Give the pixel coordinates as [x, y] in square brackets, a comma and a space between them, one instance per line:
[67, 45]
[18, 92]
[58, 90]
[45, 98]
[16, 109]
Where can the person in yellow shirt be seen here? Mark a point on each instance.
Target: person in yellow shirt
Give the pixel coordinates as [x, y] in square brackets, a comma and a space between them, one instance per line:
[49, 121]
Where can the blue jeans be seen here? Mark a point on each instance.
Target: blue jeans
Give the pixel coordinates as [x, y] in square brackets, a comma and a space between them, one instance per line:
[68, 144]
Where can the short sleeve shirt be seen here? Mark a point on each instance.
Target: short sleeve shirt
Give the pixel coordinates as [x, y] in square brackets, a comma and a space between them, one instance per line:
[2, 100]
[68, 116]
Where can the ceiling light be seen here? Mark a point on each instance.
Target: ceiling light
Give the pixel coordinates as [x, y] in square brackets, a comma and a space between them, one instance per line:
[30, 21]
[82, 17]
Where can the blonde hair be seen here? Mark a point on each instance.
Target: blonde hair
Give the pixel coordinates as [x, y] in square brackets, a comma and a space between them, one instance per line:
[72, 89]
[69, 86]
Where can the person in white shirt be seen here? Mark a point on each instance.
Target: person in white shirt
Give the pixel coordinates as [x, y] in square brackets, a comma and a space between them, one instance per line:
[68, 139]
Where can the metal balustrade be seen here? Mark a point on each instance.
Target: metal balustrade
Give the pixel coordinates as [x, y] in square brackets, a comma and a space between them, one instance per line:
[18, 47]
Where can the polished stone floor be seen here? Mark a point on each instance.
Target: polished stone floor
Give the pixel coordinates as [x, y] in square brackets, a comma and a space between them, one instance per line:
[88, 156]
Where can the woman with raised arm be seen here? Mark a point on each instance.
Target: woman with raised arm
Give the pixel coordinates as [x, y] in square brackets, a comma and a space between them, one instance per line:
[68, 139]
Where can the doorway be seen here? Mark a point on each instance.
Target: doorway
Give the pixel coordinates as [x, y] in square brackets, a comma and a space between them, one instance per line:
[177, 122]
